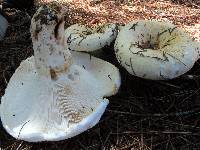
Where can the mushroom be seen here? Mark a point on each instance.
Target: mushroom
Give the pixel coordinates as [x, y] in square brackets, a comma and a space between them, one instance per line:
[155, 50]
[84, 38]
[55, 95]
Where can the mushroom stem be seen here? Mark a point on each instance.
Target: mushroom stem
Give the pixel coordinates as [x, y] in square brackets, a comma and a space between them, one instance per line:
[50, 59]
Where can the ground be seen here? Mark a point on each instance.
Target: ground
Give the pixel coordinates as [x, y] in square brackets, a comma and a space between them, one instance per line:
[144, 114]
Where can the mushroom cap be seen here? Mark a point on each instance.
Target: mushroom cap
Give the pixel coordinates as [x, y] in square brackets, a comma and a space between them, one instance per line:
[35, 108]
[83, 38]
[155, 50]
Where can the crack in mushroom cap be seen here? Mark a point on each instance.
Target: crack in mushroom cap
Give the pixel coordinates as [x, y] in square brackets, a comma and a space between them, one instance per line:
[155, 50]
[83, 38]
[51, 109]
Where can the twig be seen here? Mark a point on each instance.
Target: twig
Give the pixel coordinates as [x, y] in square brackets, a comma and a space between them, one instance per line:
[158, 132]
[184, 113]
[22, 127]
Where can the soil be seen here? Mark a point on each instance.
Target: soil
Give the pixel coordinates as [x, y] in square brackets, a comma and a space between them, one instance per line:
[144, 114]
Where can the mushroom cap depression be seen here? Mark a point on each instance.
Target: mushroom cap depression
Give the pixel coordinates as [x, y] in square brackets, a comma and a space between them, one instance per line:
[155, 50]
[83, 38]
[55, 95]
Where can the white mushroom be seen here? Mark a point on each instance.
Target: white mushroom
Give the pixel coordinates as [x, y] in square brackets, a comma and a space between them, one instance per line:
[155, 50]
[83, 38]
[54, 95]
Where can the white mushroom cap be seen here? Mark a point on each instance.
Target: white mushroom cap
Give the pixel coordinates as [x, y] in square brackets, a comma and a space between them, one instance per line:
[54, 96]
[155, 50]
[83, 38]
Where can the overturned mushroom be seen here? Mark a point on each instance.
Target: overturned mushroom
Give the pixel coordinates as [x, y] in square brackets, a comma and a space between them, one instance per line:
[83, 38]
[155, 50]
[54, 95]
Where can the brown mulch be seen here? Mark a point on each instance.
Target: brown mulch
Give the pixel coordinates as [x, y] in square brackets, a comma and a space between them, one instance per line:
[144, 114]
[122, 11]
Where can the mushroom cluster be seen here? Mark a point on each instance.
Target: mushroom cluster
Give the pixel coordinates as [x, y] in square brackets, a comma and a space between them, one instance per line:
[61, 92]
[56, 94]
[155, 50]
